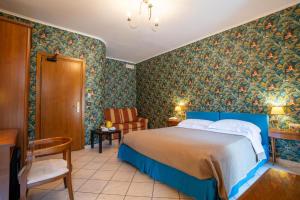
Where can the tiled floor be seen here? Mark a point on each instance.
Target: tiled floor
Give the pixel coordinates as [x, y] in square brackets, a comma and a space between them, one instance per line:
[103, 177]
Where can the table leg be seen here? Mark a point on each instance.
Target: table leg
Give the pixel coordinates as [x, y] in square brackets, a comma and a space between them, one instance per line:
[100, 143]
[110, 139]
[92, 139]
[120, 137]
[273, 146]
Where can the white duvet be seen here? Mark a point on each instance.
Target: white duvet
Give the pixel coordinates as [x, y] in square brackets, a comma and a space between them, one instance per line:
[233, 127]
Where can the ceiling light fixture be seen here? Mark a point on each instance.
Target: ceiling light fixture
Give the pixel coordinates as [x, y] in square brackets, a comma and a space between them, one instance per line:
[133, 21]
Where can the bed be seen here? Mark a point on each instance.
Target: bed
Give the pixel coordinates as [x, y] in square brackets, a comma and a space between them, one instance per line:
[201, 164]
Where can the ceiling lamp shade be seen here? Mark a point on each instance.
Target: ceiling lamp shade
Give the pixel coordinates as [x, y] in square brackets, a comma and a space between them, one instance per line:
[133, 20]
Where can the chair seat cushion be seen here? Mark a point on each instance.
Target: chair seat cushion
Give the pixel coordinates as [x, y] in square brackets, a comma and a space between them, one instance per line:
[46, 169]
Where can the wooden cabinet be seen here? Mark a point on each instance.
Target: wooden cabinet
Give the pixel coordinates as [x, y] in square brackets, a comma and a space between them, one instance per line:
[15, 39]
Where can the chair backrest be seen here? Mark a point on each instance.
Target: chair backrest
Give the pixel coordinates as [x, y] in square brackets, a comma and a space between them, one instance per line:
[129, 114]
[113, 115]
[120, 115]
[45, 147]
[51, 146]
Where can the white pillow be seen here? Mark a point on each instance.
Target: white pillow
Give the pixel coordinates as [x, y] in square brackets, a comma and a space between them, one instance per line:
[239, 127]
[195, 123]
[234, 125]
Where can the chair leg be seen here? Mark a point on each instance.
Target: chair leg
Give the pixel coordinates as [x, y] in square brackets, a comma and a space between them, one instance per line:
[65, 182]
[23, 192]
[69, 185]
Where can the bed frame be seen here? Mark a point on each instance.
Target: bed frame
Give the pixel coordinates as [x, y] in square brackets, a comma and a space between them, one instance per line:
[199, 189]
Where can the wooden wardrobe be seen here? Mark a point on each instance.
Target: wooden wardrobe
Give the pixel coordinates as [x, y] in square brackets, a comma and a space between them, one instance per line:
[15, 42]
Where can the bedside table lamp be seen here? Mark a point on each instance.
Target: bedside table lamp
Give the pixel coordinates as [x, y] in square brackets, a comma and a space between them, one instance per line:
[277, 110]
[180, 109]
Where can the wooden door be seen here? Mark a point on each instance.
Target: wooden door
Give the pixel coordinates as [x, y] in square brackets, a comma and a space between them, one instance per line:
[60, 98]
[15, 40]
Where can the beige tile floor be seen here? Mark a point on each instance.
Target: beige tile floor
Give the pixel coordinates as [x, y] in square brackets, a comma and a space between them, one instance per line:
[103, 177]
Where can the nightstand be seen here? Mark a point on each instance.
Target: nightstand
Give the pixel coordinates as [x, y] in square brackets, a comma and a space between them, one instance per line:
[281, 134]
[173, 122]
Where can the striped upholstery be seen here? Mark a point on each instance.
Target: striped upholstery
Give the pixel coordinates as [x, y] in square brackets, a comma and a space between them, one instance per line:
[113, 115]
[129, 114]
[143, 120]
[130, 125]
[125, 119]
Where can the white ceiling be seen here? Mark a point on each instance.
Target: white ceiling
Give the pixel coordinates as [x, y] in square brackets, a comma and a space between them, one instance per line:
[181, 21]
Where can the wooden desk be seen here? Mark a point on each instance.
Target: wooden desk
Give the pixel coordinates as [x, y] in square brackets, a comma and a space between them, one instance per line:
[281, 134]
[274, 185]
[8, 140]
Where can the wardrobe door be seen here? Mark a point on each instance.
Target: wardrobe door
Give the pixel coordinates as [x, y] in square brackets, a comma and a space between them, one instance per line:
[14, 78]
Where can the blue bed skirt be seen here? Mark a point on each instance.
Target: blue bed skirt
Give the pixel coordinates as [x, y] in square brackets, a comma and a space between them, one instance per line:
[189, 185]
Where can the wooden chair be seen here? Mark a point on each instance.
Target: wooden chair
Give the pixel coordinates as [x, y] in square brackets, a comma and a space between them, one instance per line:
[48, 170]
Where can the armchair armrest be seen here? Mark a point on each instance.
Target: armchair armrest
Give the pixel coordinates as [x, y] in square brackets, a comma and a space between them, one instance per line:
[143, 120]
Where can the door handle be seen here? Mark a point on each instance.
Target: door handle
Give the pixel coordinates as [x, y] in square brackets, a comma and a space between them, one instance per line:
[78, 107]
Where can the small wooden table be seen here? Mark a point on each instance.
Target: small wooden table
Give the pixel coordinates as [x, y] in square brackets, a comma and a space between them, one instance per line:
[274, 185]
[101, 133]
[281, 134]
[173, 122]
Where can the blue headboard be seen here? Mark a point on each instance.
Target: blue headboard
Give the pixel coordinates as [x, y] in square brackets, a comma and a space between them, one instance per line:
[213, 116]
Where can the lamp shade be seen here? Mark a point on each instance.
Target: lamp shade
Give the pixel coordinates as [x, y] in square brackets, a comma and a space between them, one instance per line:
[277, 110]
[177, 108]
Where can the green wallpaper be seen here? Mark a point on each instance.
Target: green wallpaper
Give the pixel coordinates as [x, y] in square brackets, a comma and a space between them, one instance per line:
[52, 40]
[120, 87]
[244, 69]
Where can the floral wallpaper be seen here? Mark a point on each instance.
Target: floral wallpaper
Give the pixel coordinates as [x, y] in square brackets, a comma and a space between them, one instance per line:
[244, 69]
[52, 40]
[120, 87]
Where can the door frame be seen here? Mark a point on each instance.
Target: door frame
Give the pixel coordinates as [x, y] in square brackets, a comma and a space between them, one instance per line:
[40, 55]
